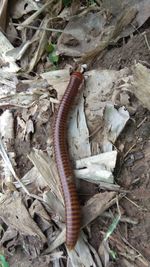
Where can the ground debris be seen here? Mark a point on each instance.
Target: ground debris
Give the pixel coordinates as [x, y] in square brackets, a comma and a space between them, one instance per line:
[108, 131]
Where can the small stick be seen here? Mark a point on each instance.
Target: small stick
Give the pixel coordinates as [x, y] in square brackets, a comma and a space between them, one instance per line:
[139, 125]
[146, 41]
[95, 131]
[122, 219]
[129, 150]
[35, 28]
[36, 14]
[136, 205]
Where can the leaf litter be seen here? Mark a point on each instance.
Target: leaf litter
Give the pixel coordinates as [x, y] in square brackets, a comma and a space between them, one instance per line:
[32, 208]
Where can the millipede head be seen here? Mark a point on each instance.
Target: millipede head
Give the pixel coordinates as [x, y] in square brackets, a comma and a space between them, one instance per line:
[78, 75]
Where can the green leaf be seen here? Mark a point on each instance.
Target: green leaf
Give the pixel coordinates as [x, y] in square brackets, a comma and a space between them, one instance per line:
[3, 262]
[113, 254]
[53, 57]
[112, 227]
[50, 48]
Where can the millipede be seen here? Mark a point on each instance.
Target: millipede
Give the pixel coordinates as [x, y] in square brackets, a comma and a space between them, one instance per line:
[65, 170]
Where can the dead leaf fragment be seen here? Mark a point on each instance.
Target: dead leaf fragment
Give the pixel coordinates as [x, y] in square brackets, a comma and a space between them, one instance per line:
[143, 12]
[93, 208]
[14, 213]
[19, 8]
[141, 84]
[96, 206]
[115, 121]
[3, 13]
[8, 62]
[81, 34]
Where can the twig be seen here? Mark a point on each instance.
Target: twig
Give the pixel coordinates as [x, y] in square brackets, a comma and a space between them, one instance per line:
[95, 131]
[136, 205]
[129, 150]
[142, 259]
[146, 41]
[35, 28]
[139, 125]
[36, 14]
[122, 219]
[130, 250]
[118, 208]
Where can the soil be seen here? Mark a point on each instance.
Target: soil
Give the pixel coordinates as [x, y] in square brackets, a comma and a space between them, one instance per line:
[131, 50]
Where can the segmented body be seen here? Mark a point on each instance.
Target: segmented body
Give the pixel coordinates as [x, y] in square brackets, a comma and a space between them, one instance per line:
[64, 167]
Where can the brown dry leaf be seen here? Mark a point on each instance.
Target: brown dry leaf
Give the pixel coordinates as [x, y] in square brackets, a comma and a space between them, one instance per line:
[58, 80]
[97, 168]
[96, 205]
[42, 217]
[14, 213]
[81, 34]
[3, 13]
[18, 52]
[115, 121]
[111, 34]
[98, 91]
[29, 128]
[7, 63]
[32, 18]
[82, 255]
[103, 252]
[47, 169]
[142, 7]
[141, 84]
[23, 100]
[33, 180]
[42, 41]
[56, 207]
[30, 91]
[88, 35]
[8, 83]
[100, 87]
[75, 7]
[11, 32]
[18, 8]
[93, 208]
[10, 237]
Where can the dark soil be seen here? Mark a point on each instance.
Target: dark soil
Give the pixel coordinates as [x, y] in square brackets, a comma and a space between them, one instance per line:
[133, 49]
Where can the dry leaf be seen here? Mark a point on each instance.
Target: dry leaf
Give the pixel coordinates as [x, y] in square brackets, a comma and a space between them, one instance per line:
[19, 8]
[142, 7]
[81, 34]
[97, 168]
[3, 13]
[14, 213]
[47, 169]
[141, 84]
[93, 208]
[7, 134]
[7, 62]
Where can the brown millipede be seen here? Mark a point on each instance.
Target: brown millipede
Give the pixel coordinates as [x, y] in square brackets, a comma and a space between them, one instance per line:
[72, 206]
